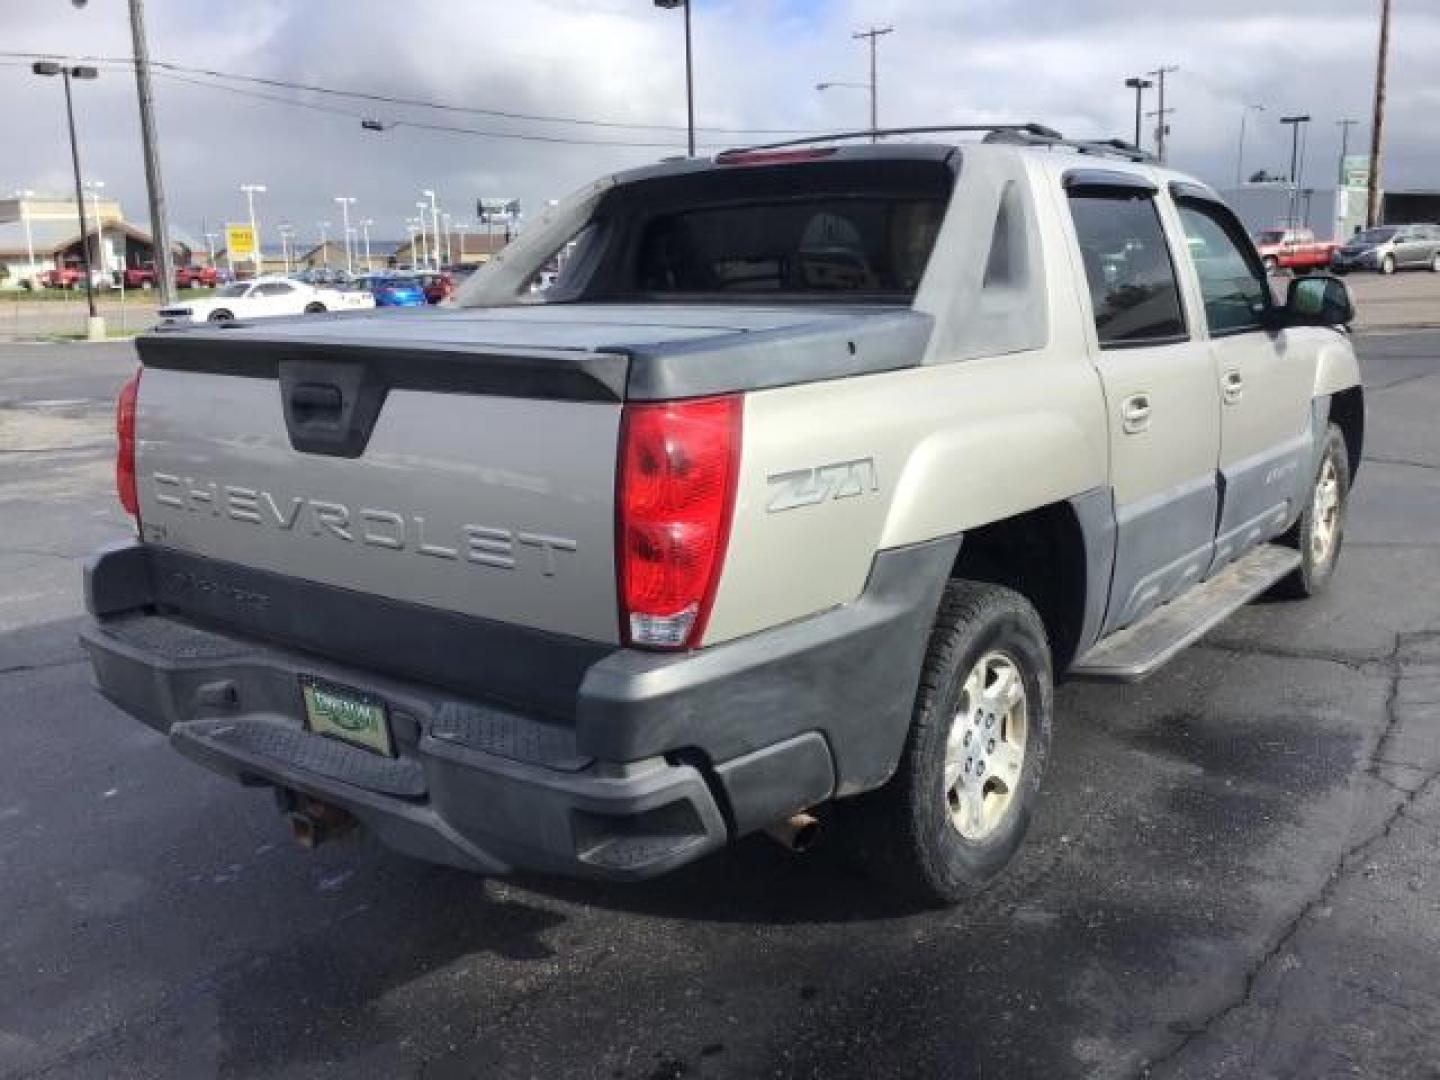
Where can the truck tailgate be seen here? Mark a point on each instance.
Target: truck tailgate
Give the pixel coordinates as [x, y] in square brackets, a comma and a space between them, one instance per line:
[491, 504]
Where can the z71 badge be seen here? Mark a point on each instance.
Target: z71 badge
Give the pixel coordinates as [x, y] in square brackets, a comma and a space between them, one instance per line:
[807, 487]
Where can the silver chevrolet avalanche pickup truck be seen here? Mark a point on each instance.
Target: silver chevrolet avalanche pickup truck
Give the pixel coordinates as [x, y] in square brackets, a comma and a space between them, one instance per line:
[787, 502]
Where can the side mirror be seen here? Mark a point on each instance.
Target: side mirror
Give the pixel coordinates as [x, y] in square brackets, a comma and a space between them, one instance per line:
[1319, 300]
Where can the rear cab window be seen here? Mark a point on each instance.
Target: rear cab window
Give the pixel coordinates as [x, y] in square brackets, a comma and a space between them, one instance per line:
[844, 229]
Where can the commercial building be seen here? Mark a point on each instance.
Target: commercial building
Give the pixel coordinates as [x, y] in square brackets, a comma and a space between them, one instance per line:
[40, 232]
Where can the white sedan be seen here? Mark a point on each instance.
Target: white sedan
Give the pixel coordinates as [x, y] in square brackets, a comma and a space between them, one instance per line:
[263, 297]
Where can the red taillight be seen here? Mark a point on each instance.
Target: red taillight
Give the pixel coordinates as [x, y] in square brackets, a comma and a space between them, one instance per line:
[771, 157]
[678, 464]
[125, 450]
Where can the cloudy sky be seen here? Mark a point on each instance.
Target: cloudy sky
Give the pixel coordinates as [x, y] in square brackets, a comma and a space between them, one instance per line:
[1061, 62]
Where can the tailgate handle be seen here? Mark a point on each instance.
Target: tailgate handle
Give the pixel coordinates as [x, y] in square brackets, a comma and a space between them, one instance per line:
[316, 403]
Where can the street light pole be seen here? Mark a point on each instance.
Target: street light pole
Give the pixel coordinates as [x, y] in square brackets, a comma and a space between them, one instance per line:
[1240, 151]
[1139, 85]
[873, 34]
[324, 226]
[1295, 122]
[251, 190]
[346, 201]
[95, 327]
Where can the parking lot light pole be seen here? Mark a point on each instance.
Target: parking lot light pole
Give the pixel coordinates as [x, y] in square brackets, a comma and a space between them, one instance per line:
[365, 232]
[287, 237]
[1294, 123]
[434, 224]
[251, 190]
[93, 187]
[346, 201]
[671, 5]
[1139, 85]
[324, 227]
[1240, 151]
[95, 325]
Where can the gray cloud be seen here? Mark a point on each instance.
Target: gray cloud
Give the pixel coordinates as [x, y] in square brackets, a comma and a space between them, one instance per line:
[1058, 61]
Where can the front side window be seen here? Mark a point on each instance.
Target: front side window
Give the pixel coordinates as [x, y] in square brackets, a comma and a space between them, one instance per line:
[1133, 292]
[1233, 286]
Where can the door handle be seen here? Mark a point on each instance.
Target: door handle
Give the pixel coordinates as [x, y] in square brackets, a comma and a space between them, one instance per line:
[1135, 414]
[1232, 387]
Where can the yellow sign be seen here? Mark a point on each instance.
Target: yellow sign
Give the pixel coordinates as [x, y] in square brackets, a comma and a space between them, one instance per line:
[240, 241]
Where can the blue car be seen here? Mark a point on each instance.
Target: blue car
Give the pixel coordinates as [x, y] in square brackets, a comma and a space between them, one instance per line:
[391, 290]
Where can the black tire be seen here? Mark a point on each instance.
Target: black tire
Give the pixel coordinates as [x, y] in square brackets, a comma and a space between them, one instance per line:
[1387, 264]
[1316, 569]
[905, 833]
[221, 315]
[315, 308]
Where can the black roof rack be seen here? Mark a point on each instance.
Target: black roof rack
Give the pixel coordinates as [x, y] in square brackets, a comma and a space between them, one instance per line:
[1028, 134]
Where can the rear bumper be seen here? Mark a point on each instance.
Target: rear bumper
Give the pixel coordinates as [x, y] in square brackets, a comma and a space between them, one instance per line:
[657, 760]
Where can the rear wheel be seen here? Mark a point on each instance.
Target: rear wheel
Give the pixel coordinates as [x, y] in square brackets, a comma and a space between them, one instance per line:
[315, 308]
[960, 802]
[221, 315]
[1321, 528]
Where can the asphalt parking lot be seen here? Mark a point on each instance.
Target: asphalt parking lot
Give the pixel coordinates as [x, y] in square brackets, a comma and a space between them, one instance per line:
[1234, 873]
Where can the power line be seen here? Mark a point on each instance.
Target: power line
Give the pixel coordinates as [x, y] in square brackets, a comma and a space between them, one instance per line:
[422, 125]
[409, 102]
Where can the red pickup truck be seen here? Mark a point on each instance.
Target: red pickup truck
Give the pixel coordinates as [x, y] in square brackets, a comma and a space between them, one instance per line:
[1296, 250]
[195, 277]
[140, 277]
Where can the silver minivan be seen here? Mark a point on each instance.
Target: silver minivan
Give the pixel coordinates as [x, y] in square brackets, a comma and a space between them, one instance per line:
[1388, 248]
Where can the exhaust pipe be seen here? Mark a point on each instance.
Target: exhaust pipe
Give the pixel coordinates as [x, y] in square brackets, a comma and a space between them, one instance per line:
[313, 822]
[796, 833]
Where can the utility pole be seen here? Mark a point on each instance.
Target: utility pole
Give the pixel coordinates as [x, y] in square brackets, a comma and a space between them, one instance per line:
[1162, 122]
[155, 186]
[873, 35]
[1139, 85]
[1344, 126]
[1377, 123]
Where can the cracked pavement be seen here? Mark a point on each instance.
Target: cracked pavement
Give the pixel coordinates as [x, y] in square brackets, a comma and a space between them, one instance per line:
[1234, 872]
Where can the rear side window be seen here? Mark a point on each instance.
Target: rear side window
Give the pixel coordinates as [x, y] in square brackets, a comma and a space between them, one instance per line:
[1133, 290]
[868, 245]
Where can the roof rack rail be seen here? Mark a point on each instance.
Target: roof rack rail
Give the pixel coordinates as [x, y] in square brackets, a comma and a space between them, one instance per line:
[1038, 130]
[1026, 134]
[1107, 147]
